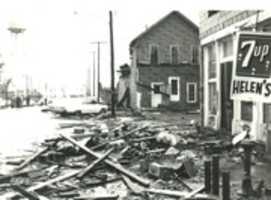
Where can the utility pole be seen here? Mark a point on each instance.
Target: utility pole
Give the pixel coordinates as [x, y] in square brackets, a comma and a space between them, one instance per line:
[112, 65]
[98, 67]
[94, 74]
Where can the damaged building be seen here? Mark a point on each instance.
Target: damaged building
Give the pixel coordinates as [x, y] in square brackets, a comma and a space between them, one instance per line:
[164, 65]
[218, 34]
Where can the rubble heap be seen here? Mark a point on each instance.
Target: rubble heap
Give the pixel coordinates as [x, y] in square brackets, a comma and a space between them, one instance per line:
[112, 159]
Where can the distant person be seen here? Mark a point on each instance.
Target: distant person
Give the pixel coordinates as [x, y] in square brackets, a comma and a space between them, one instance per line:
[27, 100]
[18, 102]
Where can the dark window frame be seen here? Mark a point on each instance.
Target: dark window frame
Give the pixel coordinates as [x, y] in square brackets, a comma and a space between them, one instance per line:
[174, 59]
[247, 115]
[154, 54]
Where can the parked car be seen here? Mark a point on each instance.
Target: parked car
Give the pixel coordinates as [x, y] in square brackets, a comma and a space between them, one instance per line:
[79, 106]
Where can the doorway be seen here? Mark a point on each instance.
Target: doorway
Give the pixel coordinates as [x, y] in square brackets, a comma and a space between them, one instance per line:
[156, 96]
[226, 102]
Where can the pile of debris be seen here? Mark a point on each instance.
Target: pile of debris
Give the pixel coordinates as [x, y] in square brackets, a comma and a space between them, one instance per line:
[110, 159]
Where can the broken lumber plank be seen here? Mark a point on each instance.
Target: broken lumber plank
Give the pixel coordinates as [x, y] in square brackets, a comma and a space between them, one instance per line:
[52, 181]
[105, 197]
[44, 184]
[103, 182]
[116, 166]
[183, 182]
[29, 195]
[96, 162]
[136, 189]
[194, 192]
[143, 139]
[172, 193]
[14, 174]
[204, 197]
[31, 158]
[132, 132]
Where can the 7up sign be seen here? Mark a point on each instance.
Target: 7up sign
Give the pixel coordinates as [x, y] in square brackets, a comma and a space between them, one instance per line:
[251, 79]
[253, 55]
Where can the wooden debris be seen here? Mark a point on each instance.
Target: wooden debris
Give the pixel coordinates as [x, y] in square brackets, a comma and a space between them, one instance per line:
[6, 177]
[106, 197]
[31, 158]
[143, 139]
[96, 162]
[99, 183]
[194, 192]
[116, 166]
[28, 195]
[52, 181]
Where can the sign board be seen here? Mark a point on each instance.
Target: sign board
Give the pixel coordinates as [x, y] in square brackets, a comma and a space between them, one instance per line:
[252, 67]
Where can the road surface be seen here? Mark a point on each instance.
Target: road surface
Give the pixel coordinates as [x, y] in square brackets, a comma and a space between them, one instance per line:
[23, 129]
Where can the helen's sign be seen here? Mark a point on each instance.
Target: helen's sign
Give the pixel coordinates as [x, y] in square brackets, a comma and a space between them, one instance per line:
[252, 68]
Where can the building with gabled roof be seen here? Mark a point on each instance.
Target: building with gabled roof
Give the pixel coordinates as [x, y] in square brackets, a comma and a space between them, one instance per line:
[165, 64]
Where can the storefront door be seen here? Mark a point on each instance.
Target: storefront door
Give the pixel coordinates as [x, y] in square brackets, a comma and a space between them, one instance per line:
[226, 102]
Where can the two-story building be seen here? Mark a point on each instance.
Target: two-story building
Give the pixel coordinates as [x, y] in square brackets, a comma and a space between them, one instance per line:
[164, 64]
[218, 35]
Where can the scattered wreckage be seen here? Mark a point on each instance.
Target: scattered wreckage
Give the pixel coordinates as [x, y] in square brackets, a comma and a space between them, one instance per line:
[116, 159]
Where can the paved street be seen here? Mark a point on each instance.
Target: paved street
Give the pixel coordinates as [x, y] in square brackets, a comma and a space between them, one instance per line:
[22, 129]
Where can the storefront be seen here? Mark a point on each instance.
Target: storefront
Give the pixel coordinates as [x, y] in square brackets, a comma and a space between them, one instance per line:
[220, 109]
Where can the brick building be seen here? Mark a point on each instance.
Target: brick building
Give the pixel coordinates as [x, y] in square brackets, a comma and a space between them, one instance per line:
[218, 35]
[164, 64]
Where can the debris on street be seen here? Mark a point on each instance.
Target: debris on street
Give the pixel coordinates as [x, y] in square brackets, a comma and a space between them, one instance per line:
[121, 158]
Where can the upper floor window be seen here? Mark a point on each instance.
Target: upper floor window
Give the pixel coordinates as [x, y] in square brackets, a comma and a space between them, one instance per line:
[154, 54]
[227, 47]
[212, 12]
[211, 61]
[195, 54]
[174, 54]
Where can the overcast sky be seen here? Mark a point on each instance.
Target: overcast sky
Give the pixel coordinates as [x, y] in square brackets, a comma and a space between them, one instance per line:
[56, 46]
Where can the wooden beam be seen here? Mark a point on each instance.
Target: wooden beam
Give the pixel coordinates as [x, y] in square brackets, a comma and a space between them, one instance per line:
[28, 195]
[116, 166]
[93, 164]
[31, 158]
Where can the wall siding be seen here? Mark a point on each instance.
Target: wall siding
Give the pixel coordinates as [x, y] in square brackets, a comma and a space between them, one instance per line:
[149, 74]
[171, 32]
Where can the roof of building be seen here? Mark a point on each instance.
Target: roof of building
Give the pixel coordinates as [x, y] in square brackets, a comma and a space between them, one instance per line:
[174, 12]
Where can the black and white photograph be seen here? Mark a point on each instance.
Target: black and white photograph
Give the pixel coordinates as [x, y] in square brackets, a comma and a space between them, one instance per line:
[135, 100]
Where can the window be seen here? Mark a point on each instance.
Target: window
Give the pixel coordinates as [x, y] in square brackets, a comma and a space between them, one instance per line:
[267, 113]
[191, 92]
[154, 54]
[174, 87]
[227, 47]
[213, 98]
[246, 110]
[174, 84]
[211, 61]
[174, 53]
[195, 55]
[212, 12]
[156, 89]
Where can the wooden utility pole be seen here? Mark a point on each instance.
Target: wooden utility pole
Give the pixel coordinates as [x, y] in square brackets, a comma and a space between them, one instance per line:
[98, 67]
[112, 65]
